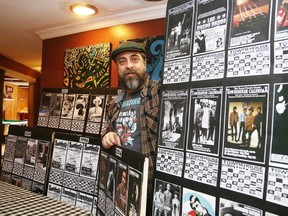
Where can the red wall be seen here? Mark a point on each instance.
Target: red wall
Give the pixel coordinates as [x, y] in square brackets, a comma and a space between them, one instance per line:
[53, 49]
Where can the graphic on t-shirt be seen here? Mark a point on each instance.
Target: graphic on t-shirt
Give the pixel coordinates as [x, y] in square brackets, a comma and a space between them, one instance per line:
[126, 124]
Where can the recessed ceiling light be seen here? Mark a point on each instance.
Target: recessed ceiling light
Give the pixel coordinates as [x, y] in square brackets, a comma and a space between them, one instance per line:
[83, 9]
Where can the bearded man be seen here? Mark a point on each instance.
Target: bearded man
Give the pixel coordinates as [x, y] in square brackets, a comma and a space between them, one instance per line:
[132, 119]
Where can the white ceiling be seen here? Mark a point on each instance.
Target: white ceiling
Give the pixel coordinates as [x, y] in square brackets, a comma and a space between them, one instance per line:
[25, 23]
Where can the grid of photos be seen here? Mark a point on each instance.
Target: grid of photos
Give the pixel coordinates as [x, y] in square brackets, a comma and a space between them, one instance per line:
[121, 187]
[79, 111]
[25, 161]
[234, 117]
[74, 169]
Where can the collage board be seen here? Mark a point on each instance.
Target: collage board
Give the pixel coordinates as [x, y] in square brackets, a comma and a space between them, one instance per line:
[26, 157]
[99, 181]
[75, 170]
[222, 133]
[75, 110]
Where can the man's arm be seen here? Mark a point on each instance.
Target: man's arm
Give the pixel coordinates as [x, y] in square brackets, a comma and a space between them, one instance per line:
[109, 136]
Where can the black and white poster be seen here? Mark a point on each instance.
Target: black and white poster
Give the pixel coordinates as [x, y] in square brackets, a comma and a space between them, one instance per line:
[197, 203]
[108, 101]
[279, 147]
[178, 35]
[277, 186]
[205, 120]
[69, 196]
[281, 20]
[249, 61]
[174, 112]
[201, 168]
[280, 57]
[250, 22]
[243, 178]
[84, 201]
[59, 154]
[44, 109]
[166, 199]
[177, 71]
[20, 152]
[95, 114]
[170, 161]
[210, 26]
[80, 110]
[67, 111]
[90, 158]
[74, 157]
[245, 136]
[41, 162]
[209, 66]
[55, 110]
[229, 207]
[54, 191]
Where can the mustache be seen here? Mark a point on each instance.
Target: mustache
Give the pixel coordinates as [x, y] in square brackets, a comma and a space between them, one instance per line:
[127, 72]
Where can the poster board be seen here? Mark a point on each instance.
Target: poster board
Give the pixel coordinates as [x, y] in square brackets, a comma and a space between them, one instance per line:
[26, 157]
[234, 157]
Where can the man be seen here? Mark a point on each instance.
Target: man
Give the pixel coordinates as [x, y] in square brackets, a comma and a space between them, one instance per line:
[257, 123]
[167, 200]
[212, 123]
[158, 201]
[197, 207]
[175, 205]
[242, 120]
[132, 119]
[234, 118]
[249, 125]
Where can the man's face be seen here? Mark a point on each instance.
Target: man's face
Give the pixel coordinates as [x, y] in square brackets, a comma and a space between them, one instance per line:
[131, 70]
[198, 208]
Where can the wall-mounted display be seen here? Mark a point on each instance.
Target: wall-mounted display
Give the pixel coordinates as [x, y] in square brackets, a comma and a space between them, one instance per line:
[234, 157]
[26, 158]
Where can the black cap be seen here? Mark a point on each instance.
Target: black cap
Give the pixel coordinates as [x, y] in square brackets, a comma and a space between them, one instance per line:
[128, 46]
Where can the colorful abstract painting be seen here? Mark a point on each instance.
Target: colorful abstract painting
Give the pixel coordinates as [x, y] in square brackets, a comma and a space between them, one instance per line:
[87, 66]
[155, 51]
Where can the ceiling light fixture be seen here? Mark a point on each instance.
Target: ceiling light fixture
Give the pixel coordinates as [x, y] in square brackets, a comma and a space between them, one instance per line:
[83, 9]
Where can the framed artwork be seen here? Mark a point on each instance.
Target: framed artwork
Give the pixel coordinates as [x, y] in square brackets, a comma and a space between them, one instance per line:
[87, 66]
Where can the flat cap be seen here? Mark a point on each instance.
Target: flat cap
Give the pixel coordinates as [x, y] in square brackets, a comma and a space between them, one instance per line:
[127, 46]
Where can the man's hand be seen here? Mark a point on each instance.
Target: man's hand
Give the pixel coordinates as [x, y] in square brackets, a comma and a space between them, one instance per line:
[110, 139]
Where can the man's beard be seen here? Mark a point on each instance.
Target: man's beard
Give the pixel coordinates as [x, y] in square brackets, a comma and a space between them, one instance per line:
[133, 83]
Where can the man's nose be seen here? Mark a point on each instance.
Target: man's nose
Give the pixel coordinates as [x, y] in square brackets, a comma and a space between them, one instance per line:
[129, 64]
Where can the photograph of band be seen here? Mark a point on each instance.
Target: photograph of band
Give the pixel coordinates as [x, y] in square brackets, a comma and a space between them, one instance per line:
[174, 106]
[246, 122]
[203, 132]
[178, 36]
[167, 199]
